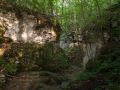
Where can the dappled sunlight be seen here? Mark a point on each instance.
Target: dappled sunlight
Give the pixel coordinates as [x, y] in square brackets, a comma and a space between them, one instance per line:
[59, 45]
[20, 30]
[14, 37]
[2, 50]
[24, 36]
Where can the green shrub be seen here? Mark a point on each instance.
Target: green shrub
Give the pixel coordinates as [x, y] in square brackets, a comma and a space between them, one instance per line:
[52, 58]
[105, 70]
[85, 76]
[2, 61]
[49, 57]
[11, 68]
[24, 53]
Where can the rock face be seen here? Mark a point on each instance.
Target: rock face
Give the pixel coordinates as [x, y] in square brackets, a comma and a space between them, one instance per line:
[81, 51]
[25, 27]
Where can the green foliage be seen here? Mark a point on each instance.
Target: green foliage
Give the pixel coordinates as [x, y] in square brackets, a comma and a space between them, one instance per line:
[70, 13]
[11, 68]
[85, 76]
[116, 32]
[2, 61]
[52, 58]
[115, 20]
[105, 68]
[8, 67]
[24, 53]
[28, 55]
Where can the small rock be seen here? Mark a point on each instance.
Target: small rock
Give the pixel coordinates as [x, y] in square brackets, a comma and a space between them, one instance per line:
[52, 82]
[2, 81]
[64, 85]
[2, 78]
[44, 79]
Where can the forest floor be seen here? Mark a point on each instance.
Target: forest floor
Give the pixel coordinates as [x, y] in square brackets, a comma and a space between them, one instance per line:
[43, 80]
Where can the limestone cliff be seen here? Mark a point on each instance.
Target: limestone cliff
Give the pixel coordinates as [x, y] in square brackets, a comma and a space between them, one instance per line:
[26, 26]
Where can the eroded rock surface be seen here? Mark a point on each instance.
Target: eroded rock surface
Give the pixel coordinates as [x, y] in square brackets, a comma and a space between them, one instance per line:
[28, 28]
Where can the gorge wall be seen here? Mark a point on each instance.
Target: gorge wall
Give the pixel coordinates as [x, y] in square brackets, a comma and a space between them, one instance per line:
[26, 26]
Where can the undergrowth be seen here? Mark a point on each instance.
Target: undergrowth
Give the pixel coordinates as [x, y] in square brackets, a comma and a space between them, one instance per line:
[105, 70]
